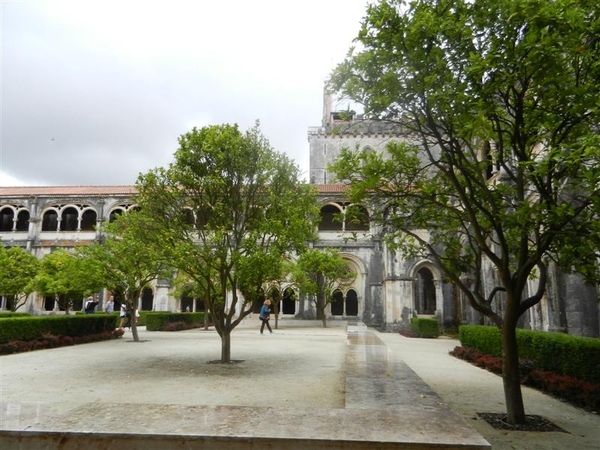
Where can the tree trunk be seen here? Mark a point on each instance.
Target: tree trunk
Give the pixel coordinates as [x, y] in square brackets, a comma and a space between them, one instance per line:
[321, 305]
[276, 313]
[226, 347]
[510, 369]
[134, 331]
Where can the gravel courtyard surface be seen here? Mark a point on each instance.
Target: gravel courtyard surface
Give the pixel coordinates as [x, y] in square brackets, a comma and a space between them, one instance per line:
[295, 367]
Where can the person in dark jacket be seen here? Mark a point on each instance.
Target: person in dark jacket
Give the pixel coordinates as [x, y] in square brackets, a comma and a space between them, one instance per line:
[90, 305]
[265, 312]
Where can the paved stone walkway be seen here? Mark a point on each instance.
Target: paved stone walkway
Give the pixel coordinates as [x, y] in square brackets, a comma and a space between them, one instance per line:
[323, 388]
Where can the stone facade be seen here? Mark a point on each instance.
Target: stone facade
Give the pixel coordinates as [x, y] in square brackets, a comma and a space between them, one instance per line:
[389, 289]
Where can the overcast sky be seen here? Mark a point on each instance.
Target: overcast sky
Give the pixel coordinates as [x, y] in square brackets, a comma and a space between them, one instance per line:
[95, 92]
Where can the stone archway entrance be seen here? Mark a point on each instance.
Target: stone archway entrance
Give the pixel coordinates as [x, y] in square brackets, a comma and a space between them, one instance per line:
[288, 303]
[425, 298]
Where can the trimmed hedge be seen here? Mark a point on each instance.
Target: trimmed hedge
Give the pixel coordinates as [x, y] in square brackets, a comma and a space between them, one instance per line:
[486, 339]
[560, 353]
[159, 321]
[4, 315]
[425, 327]
[35, 327]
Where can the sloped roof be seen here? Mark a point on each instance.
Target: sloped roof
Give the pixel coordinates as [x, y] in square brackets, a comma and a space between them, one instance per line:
[99, 191]
[53, 191]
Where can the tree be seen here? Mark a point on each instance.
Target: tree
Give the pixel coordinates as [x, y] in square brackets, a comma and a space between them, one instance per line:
[126, 263]
[18, 269]
[502, 98]
[274, 288]
[228, 210]
[67, 277]
[318, 273]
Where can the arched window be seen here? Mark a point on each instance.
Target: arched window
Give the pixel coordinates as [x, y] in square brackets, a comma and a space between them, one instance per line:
[357, 218]
[69, 219]
[114, 214]
[330, 220]
[288, 303]
[49, 303]
[147, 299]
[6, 219]
[88, 220]
[187, 303]
[351, 303]
[202, 217]
[50, 221]
[189, 216]
[337, 304]
[23, 220]
[425, 302]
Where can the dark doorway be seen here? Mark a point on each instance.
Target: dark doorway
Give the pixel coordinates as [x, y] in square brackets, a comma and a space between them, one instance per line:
[6, 219]
[337, 304]
[147, 299]
[69, 219]
[288, 304]
[23, 220]
[351, 303]
[49, 303]
[425, 302]
[330, 219]
[50, 221]
[187, 304]
[88, 220]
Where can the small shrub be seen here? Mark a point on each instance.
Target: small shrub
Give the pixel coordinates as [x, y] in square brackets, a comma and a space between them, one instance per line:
[407, 332]
[51, 340]
[66, 340]
[425, 328]
[176, 326]
[117, 333]
[6, 348]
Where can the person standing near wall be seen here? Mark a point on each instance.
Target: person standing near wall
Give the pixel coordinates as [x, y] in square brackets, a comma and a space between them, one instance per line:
[110, 305]
[90, 305]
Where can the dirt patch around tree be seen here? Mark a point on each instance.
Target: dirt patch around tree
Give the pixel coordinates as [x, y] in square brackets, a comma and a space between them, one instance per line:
[532, 423]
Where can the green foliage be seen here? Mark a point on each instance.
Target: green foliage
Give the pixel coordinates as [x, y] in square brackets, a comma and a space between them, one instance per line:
[318, 272]
[561, 353]
[68, 277]
[125, 262]
[486, 339]
[159, 321]
[4, 315]
[502, 98]
[555, 352]
[226, 214]
[425, 327]
[18, 268]
[35, 327]
[490, 87]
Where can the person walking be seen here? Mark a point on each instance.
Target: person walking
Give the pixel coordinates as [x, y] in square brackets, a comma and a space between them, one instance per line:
[110, 305]
[123, 316]
[264, 315]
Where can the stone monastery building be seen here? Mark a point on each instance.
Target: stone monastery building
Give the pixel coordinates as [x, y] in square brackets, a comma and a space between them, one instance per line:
[387, 291]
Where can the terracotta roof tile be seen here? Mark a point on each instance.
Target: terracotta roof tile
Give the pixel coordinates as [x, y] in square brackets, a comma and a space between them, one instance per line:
[94, 191]
[331, 188]
[50, 191]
